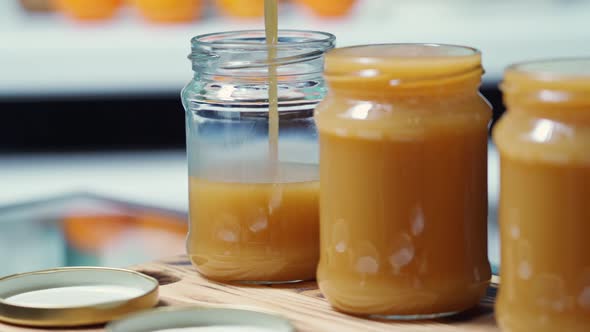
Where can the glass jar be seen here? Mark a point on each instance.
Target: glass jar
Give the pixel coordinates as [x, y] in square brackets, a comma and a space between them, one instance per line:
[252, 219]
[544, 212]
[403, 151]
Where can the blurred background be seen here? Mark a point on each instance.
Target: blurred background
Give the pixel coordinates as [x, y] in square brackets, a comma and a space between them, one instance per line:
[92, 130]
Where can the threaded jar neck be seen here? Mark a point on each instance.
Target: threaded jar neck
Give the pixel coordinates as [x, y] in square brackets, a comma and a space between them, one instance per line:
[549, 88]
[244, 54]
[401, 70]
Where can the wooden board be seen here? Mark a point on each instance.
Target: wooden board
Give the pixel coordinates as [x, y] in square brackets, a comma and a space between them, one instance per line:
[302, 303]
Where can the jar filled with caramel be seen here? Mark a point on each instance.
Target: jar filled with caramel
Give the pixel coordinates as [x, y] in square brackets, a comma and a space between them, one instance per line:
[403, 163]
[544, 213]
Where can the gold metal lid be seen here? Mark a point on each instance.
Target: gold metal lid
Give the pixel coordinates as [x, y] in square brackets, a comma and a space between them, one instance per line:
[74, 296]
[195, 319]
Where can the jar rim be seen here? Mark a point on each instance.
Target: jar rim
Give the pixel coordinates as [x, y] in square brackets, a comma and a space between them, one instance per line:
[549, 82]
[404, 66]
[293, 47]
[568, 68]
[243, 39]
[469, 51]
[406, 59]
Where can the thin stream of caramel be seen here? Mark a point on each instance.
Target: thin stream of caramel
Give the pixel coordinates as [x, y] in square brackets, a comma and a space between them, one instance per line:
[271, 28]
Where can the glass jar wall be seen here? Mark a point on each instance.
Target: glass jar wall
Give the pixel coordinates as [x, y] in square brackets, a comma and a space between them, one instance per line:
[403, 150]
[252, 219]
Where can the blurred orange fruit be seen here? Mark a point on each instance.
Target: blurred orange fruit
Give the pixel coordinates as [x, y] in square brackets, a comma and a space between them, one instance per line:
[242, 8]
[88, 9]
[329, 8]
[37, 5]
[169, 11]
[91, 233]
[162, 222]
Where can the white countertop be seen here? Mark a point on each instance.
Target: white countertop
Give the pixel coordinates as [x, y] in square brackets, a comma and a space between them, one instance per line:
[48, 55]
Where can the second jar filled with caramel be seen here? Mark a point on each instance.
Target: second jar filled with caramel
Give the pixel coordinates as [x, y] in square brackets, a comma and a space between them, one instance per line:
[403, 183]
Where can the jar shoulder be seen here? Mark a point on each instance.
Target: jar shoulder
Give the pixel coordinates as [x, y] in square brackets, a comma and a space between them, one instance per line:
[419, 113]
[527, 136]
[340, 105]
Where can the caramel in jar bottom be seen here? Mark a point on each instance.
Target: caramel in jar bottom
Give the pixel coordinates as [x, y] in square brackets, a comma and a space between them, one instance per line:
[258, 232]
[403, 222]
[545, 223]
